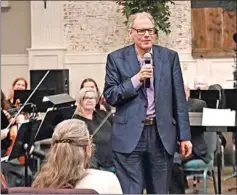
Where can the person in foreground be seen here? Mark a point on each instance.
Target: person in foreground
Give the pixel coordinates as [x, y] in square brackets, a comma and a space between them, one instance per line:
[148, 121]
[68, 161]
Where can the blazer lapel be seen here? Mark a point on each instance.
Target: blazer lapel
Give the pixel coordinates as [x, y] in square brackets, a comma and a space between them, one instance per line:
[132, 60]
[157, 63]
[133, 63]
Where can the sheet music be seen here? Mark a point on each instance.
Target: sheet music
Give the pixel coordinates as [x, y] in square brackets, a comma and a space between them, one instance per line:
[218, 117]
[5, 158]
[45, 99]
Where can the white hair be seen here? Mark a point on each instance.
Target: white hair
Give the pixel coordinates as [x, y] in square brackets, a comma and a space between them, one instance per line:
[133, 17]
[201, 80]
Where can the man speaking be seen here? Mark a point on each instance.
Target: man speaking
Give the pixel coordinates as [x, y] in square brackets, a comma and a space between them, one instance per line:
[144, 82]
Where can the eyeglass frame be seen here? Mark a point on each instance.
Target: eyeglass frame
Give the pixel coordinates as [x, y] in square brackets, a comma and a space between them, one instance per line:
[145, 30]
[89, 98]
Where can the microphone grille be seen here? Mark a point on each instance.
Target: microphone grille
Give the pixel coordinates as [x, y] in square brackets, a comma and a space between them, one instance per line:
[147, 56]
[235, 38]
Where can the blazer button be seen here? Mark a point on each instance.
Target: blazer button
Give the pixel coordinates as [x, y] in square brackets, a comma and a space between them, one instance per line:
[145, 106]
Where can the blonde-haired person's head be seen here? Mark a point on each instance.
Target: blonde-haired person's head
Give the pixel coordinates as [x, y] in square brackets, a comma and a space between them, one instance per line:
[68, 158]
[86, 99]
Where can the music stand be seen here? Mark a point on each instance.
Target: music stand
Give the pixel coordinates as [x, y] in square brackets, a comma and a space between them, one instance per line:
[231, 103]
[37, 99]
[23, 143]
[63, 107]
[51, 119]
[60, 100]
[209, 96]
[4, 120]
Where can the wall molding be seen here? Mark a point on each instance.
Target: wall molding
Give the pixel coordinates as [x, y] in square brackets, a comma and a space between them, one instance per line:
[5, 3]
[90, 58]
[14, 60]
[85, 58]
[217, 70]
[46, 58]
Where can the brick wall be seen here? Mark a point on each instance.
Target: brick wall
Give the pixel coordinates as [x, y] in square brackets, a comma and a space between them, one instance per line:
[99, 26]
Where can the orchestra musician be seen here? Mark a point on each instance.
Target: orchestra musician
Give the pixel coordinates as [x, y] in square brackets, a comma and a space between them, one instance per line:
[101, 103]
[18, 84]
[5, 132]
[13, 170]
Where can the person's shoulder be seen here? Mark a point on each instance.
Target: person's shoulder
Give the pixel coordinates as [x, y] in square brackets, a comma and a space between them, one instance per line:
[76, 116]
[166, 50]
[95, 176]
[100, 113]
[198, 102]
[103, 176]
[101, 173]
[103, 182]
[121, 52]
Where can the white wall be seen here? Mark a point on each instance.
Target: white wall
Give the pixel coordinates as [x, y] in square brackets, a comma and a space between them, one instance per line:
[66, 36]
[12, 66]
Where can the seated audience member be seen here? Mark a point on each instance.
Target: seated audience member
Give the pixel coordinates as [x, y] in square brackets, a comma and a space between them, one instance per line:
[85, 111]
[200, 82]
[68, 161]
[18, 84]
[101, 103]
[199, 151]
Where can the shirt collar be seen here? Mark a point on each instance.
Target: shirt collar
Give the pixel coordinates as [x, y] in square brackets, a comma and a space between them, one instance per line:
[141, 59]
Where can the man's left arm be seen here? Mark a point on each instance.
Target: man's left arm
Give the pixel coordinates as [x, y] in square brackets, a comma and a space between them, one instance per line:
[180, 102]
[181, 109]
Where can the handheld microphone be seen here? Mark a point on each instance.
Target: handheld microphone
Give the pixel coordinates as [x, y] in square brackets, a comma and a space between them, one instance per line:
[235, 38]
[148, 61]
[199, 93]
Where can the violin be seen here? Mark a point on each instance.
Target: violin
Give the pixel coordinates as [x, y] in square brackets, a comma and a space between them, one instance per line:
[12, 137]
[3, 181]
[17, 103]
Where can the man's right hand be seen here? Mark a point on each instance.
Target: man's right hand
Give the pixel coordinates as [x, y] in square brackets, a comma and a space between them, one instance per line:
[146, 72]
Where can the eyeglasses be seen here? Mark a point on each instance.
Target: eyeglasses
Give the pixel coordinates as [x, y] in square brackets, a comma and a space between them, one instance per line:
[141, 32]
[89, 98]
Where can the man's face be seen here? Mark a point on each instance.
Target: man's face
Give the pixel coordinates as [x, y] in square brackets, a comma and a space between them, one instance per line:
[142, 33]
